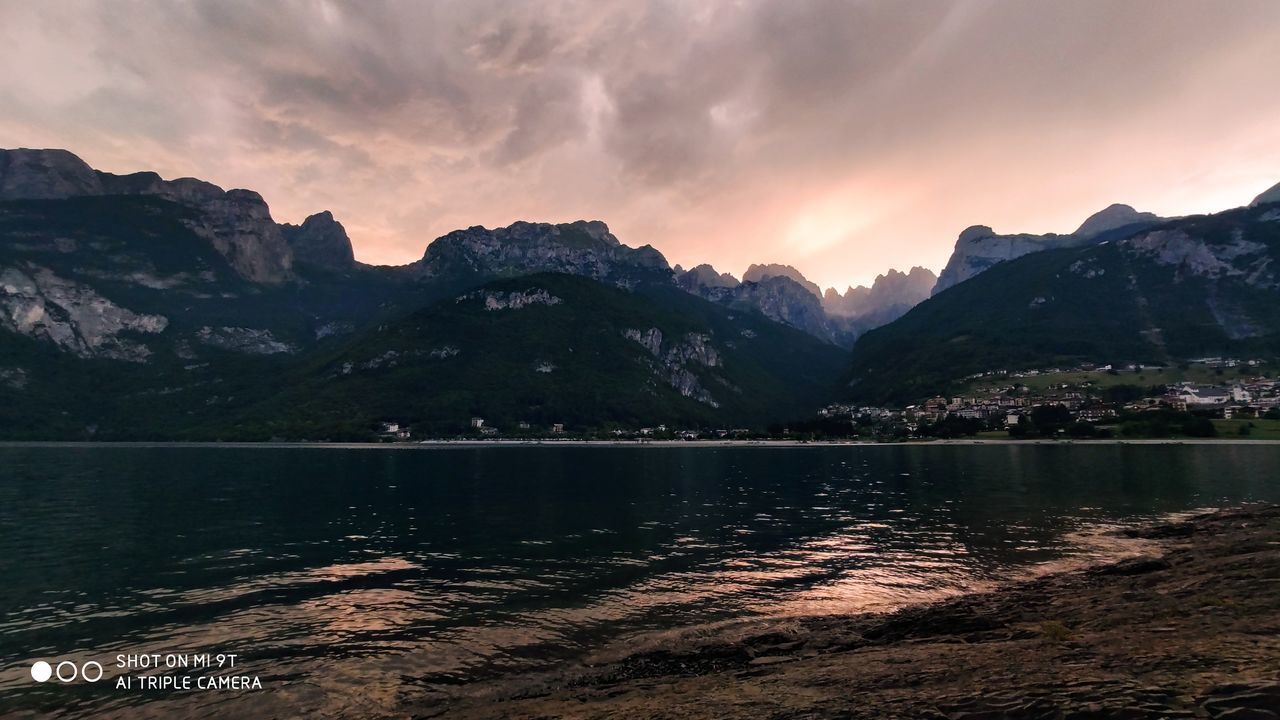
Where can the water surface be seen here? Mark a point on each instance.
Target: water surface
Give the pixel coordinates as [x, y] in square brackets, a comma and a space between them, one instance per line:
[353, 580]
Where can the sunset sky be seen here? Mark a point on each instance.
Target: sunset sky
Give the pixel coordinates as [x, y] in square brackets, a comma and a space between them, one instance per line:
[843, 138]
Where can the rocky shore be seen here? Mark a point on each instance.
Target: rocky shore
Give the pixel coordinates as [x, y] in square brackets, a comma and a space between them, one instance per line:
[1190, 629]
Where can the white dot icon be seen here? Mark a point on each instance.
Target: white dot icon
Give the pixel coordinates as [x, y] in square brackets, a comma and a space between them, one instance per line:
[40, 671]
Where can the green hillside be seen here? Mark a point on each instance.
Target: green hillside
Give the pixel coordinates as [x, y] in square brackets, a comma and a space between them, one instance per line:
[1199, 286]
[563, 360]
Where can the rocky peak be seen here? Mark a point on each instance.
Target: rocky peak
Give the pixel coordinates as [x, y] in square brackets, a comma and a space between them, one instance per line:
[979, 247]
[703, 276]
[236, 222]
[585, 248]
[782, 299]
[27, 174]
[889, 297]
[320, 241]
[974, 233]
[1111, 218]
[1271, 195]
[756, 273]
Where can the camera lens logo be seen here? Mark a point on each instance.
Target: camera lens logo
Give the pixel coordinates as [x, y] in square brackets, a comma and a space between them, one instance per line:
[66, 671]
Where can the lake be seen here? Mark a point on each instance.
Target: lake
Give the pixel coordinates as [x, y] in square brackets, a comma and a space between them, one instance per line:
[349, 581]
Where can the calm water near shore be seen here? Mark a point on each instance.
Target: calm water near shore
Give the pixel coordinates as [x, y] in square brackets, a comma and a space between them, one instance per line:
[350, 581]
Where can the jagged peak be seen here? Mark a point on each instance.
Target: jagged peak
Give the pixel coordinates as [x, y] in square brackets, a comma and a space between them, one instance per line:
[760, 272]
[704, 275]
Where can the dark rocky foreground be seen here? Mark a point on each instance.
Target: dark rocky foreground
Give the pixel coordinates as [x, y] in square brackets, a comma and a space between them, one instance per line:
[1191, 629]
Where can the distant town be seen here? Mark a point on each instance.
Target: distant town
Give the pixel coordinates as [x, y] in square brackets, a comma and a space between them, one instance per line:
[1201, 397]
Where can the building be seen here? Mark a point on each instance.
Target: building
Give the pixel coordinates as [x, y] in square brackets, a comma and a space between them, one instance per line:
[394, 431]
[477, 423]
[1203, 395]
[557, 428]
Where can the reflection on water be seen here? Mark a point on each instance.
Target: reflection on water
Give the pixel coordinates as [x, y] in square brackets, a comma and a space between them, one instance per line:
[350, 580]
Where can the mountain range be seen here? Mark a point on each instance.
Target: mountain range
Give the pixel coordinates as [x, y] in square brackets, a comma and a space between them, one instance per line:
[134, 307]
[1132, 289]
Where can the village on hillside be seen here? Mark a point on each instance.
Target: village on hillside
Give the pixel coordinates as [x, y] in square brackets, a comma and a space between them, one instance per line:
[1202, 397]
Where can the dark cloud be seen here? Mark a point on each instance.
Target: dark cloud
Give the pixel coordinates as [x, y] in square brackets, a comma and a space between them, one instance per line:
[839, 136]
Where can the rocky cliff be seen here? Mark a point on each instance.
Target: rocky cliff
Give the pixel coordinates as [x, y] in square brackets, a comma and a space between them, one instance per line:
[889, 297]
[697, 278]
[782, 299]
[45, 175]
[236, 222]
[584, 248]
[320, 241]
[979, 247]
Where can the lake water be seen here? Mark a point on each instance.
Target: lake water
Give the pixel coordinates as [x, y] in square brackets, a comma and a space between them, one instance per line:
[352, 580]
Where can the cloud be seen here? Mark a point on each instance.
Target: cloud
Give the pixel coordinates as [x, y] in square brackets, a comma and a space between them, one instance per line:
[842, 137]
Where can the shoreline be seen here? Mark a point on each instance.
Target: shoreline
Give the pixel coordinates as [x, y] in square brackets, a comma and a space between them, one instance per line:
[438, 444]
[1190, 627]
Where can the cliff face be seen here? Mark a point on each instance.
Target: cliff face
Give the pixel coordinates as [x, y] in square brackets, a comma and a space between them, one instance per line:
[36, 302]
[782, 299]
[979, 247]
[45, 175]
[237, 222]
[320, 241]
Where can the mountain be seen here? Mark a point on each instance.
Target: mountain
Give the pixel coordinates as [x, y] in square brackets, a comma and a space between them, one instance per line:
[757, 273]
[553, 348]
[776, 295]
[237, 222]
[133, 307]
[979, 247]
[703, 276]
[890, 296]
[1114, 217]
[320, 241]
[585, 248]
[1190, 287]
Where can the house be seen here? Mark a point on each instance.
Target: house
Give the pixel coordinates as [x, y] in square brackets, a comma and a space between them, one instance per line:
[523, 425]
[1012, 419]
[1237, 412]
[477, 423]
[394, 431]
[557, 428]
[1204, 395]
